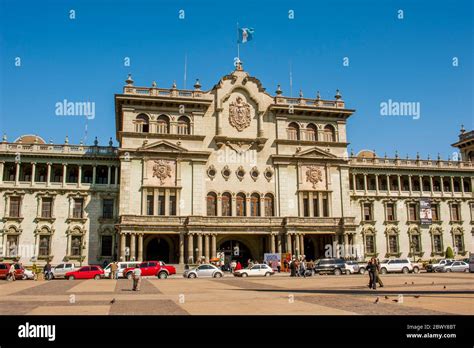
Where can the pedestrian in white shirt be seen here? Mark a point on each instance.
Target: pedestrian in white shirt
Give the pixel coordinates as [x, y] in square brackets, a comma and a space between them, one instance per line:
[137, 277]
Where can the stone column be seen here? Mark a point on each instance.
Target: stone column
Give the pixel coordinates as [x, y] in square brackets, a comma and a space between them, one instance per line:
[109, 172]
[420, 178]
[441, 183]
[17, 173]
[302, 244]
[247, 206]
[156, 194]
[167, 202]
[365, 183]
[199, 246]
[320, 204]
[233, 206]
[213, 246]
[410, 188]
[288, 243]
[206, 247]
[79, 176]
[462, 185]
[272, 243]
[94, 174]
[354, 182]
[64, 173]
[310, 204]
[1, 171]
[33, 173]
[48, 174]
[399, 184]
[451, 182]
[190, 248]
[376, 184]
[132, 247]
[388, 183]
[431, 184]
[219, 205]
[140, 247]
[279, 243]
[262, 205]
[346, 244]
[116, 176]
[122, 246]
[297, 245]
[181, 248]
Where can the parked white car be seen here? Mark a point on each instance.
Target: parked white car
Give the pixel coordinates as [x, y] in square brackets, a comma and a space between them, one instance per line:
[259, 270]
[437, 267]
[202, 271]
[352, 267]
[398, 265]
[60, 270]
[121, 267]
[456, 266]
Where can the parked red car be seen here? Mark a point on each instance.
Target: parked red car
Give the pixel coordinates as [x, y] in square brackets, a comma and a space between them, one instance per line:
[151, 268]
[86, 272]
[5, 267]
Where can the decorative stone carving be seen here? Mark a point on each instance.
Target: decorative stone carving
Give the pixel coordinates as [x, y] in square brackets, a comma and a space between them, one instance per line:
[268, 174]
[314, 175]
[240, 172]
[226, 172]
[239, 114]
[254, 173]
[162, 170]
[211, 172]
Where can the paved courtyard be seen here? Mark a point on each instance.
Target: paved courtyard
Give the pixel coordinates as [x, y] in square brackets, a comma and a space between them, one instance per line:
[425, 294]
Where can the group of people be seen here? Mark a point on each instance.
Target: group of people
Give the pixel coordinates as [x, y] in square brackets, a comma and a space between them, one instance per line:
[299, 266]
[373, 268]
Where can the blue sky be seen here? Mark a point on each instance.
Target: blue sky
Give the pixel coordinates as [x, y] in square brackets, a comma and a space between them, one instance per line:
[407, 60]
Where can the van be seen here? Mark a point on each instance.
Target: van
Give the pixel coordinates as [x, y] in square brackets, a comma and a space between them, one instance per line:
[121, 266]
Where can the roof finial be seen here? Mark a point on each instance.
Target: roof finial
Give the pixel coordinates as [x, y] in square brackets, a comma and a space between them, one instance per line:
[278, 91]
[352, 152]
[338, 95]
[197, 85]
[462, 129]
[110, 142]
[174, 85]
[301, 93]
[4, 138]
[439, 157]
[153, 84]
[318, 96]
[396, 154]
[129, 80]
[238, 65]
[96, 142]
[66, 140]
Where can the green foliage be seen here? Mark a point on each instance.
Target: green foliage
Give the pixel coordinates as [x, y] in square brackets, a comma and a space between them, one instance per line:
[449, 253]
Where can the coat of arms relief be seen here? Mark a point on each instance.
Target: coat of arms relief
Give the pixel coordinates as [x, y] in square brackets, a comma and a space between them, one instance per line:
[161, 170]
[314, 175]
[239, 114]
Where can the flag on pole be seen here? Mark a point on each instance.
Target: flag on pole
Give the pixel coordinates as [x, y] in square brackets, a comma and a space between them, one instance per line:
[245, 35]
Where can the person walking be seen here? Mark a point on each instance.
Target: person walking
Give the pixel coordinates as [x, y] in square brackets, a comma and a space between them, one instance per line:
[302, 268]
[11, 272]
[137, 277]
[371, 266]
[47, 271]
[238, 266]
[233, 264]
[279, 266]
[113, 270]
[377, 272]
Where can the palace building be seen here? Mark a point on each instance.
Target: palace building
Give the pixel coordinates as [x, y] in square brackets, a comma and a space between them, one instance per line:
[230, 169]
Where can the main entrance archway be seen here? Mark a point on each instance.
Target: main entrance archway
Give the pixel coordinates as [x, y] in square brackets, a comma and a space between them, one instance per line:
[235, 250]
[158, 249]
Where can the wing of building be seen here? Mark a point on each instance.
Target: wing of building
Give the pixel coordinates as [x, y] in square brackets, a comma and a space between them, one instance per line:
[233, 171]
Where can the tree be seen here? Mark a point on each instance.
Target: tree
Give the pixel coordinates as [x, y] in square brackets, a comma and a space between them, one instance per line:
[449, 253]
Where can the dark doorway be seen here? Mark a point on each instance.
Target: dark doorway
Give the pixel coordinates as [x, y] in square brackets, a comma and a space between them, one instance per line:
[229, 249]
[158, 249]
[309, 247]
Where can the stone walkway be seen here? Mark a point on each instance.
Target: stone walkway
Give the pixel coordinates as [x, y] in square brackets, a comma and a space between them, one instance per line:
[425, 294]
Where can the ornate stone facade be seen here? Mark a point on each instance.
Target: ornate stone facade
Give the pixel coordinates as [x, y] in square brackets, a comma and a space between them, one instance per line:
[198, 172]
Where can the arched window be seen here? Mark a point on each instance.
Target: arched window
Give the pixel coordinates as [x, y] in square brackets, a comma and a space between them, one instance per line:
[240, 204]
[255, 204]
[211, 204]
[184, 125]
[142, 124]
[163, 124]
[293, 131]
[269, 210]
[311, 132]
[329, 133]
[226, 201]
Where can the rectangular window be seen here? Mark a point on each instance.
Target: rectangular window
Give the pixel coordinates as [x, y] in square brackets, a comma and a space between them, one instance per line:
[106, 246]
[46, 207]
[108, 209]
[367, 212]
[393, 244]
[44, 245]
[458, 243]
[76, 245]
[15, 206]
[412, 212]
[161, 203]
[434, 212]
[325, 207]
[305, 206]
[369, 244]
[437, 244]
[172, 203]
[455, 212]
[78, 207]
[149, 204]
[316, 207]
[390, 212]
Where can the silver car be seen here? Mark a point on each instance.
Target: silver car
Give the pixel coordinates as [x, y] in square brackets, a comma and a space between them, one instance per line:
[456, 266]
[203, 271]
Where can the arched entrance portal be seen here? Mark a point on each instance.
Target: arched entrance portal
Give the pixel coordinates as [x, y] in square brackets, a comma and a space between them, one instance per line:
[158, 249]
[235, 250]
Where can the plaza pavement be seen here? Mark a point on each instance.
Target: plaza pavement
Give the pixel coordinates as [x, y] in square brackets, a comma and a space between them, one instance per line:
[425, 294]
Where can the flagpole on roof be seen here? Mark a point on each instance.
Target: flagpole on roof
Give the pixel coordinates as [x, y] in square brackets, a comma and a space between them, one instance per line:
[238, 44]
